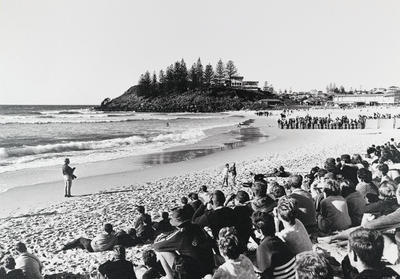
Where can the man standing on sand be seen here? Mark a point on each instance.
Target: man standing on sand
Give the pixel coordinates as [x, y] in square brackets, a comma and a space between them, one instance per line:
[232, 170]
[68, 174]
[225, 175]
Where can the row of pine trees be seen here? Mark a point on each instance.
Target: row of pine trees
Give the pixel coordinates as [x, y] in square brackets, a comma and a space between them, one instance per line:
[177, 78]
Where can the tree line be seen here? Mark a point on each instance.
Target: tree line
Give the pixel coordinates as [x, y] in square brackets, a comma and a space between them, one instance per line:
[177, 78]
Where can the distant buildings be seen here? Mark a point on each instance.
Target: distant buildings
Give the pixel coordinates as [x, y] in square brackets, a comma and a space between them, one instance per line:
[373, 97]
[238, 83]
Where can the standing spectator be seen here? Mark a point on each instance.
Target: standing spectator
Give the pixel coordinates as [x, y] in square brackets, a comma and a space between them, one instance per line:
[273, 257]
[68, 174]
[233, 172]
[119, 267]
[225, 175]
[28, 263]
[294, 233]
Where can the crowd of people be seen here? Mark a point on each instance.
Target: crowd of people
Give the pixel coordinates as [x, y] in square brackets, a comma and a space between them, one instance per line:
[323, 122]
[265, 229]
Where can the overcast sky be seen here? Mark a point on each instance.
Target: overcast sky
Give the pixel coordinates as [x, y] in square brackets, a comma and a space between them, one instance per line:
[82, 51]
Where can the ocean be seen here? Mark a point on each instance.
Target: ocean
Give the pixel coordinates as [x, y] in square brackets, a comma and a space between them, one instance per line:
[40, 136]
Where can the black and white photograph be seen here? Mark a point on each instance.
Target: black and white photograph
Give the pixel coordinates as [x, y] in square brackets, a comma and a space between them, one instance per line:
[205, 139]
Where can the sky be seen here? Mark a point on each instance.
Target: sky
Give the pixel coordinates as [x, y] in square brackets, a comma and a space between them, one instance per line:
[82, 51]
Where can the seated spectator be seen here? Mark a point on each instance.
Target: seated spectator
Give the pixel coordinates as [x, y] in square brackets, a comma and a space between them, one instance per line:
[154, 268]
[190, 240]
[28, 263]
[147, 232]
[364, 257]
[273, 257]
[242, 214]
[143, 225]
[294, 233]
[365, 185]
[185, 267]
[277, 191]
[383, 170]
[102, 242]
[261, 201]
[312, 265]
[349, 171]
[355, 202]
[305, 205]
[236, 264]
[187, 206]
[386, 202]
[129, 239]
[164, 225]
[119, 267]
[195, 202]
[10, 272]
[334, 214]
[204, 195]
[282, 172]
[215, 216]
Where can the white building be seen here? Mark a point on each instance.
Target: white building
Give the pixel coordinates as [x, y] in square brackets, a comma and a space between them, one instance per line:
[390, 97]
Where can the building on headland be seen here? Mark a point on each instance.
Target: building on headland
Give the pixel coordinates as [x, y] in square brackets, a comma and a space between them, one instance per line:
[237, 82]
[374, 97]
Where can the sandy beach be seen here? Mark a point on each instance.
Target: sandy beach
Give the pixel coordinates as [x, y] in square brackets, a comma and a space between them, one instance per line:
[45, 220]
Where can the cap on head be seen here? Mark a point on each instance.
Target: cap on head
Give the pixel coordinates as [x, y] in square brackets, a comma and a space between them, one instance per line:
[108, 228]
[66, 160]
[346, 158]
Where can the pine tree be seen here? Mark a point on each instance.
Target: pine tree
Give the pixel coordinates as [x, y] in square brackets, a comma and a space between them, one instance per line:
[231, 69]
[169, 78]
[193, 77]
[161, 80]
[208, 75]
[154, 84]
[200, 73]
[220, 72]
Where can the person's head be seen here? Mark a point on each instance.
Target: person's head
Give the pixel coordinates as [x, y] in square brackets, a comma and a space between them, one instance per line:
[295, 181]
[345, 158]
[66, 161]
[203, 188]
[281, 169]
[218, 198]
[365, 164]
[331, 187]
[356, 159]
[264, 223]
[140, 209]
[312, 265]
[228, 243]
[193, 196]
[20, 247]
[321, 173]
[242, 197]
[330, 164]
[387, 190]
[179, 217]
[149, 258]
[226, 165]
[277, 191]
[383, 169]
[365, 248]
[132, 232]
[346, 187]
[165, 215]
[364, 175]
[184, 200]
[287, 208]
[108, 228]
[259, 189]
[9, 263]
[119, 252]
